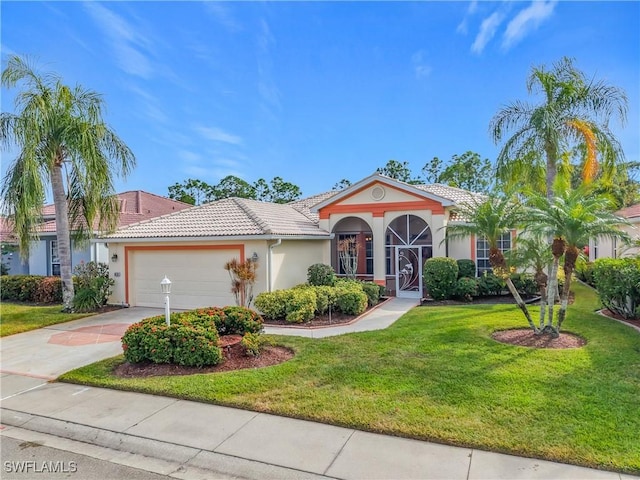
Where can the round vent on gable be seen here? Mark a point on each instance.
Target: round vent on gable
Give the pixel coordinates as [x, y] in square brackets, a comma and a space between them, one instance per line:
[377, 193]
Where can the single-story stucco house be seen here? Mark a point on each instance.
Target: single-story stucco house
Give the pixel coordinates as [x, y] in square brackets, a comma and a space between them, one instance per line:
[135, 206]
[396, 226]
[613, 248]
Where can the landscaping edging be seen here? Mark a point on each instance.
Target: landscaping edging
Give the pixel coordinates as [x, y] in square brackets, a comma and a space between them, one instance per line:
[601, 312]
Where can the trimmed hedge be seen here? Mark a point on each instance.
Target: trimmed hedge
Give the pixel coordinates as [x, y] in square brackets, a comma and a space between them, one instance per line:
[303, 302]
[321, 274]
[466, 288]
[31, 288]
[440, 277]
[183, 342]
[617, 281]
[466, 268]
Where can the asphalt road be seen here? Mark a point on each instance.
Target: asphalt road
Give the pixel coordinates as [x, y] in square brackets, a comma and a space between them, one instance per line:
[31, 460]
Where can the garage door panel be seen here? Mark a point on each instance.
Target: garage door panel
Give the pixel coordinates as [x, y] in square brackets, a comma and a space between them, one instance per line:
[198, 277]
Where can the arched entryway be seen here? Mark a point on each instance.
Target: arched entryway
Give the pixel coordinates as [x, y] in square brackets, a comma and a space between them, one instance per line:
[352, 249]
[409, 244]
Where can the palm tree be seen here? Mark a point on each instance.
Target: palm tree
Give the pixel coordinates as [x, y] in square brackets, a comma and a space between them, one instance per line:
[532, 251]
[575, 111]
[571, 218]
[59, 132]
[490, 218]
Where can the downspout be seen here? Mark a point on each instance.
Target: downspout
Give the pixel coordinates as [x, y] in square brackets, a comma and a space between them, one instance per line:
[270, 264]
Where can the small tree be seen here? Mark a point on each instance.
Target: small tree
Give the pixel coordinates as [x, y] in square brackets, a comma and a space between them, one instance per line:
[348, 254]
[243, 277]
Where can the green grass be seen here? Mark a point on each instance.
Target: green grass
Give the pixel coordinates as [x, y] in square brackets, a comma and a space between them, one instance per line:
[22, 317]
[437, 375]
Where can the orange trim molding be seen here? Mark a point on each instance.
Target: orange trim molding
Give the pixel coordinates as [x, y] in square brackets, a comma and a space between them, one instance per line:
[133, 248]
[379, 209]
[473, 247]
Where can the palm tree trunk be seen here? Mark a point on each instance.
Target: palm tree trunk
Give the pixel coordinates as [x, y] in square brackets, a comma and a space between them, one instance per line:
[523, 306]
[499, 266]
[541, 280]
[558, 247]
[570, 257]
[552, 288]
[63, 235]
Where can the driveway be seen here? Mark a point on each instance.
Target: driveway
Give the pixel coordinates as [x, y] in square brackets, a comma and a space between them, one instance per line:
[48, 352]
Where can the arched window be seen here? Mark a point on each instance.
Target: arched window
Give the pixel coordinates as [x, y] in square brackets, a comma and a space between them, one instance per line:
[407, 230]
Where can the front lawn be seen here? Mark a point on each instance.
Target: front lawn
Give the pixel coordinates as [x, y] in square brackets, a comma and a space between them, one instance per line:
[22, 317]
[437, 375]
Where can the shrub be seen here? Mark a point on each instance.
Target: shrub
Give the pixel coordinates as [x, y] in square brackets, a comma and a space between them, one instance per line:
[231, 320]
[350, 298]
[584, 271]
[325, 298]
[466, 288]
[525, 284]
[253, 343]
[440, 277]
[20, 288]
[93, 286]
[49, 290]
[4, 269]
[466, 268]
[618, 284]
[490, 284]
[238, 321]
[320, 274]
[183, 342]
[300, 305]
[372, 290]
[271, 304]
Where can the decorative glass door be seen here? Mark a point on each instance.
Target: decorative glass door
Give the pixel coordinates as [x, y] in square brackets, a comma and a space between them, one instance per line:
[408, 272]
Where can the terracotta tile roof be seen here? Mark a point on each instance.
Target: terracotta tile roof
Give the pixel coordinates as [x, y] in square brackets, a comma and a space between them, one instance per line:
[135, 206]
[454, 194]
[227, 217]
[631, 211]
[304, 205]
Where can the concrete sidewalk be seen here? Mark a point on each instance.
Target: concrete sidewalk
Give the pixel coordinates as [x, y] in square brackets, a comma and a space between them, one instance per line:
[183, 439]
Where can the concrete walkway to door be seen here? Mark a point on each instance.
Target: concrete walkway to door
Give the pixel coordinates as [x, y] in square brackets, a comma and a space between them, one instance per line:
[377, 319]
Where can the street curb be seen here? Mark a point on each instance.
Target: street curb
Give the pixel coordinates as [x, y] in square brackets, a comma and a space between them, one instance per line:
[185, 456]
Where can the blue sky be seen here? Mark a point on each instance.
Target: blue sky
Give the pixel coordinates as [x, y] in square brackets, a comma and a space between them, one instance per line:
[315, 91]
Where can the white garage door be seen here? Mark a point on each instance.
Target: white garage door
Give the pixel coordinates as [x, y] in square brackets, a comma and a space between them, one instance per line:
[198, 277]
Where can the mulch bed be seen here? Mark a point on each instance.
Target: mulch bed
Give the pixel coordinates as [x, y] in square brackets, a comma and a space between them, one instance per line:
[609, 313]
[318, 321]
[524, 337]
[234, 358]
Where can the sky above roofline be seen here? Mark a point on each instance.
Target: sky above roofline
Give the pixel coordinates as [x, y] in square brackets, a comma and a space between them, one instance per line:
[315, 91]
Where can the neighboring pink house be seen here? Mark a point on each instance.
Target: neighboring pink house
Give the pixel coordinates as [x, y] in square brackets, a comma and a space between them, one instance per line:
[135, 206]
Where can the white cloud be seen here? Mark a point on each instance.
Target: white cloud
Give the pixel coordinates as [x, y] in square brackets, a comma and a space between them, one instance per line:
[125, 40]
[471, 9]
[527, 20]
[487, 31]
[218, 135]
[420, 66]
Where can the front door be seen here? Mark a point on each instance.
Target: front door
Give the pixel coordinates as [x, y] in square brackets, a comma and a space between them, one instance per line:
[408, 272]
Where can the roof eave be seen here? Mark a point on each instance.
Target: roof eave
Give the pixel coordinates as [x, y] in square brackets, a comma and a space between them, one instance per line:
[219, 238]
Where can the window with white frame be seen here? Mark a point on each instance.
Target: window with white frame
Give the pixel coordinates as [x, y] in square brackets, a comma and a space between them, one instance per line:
[55, 259]
[482, 251]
